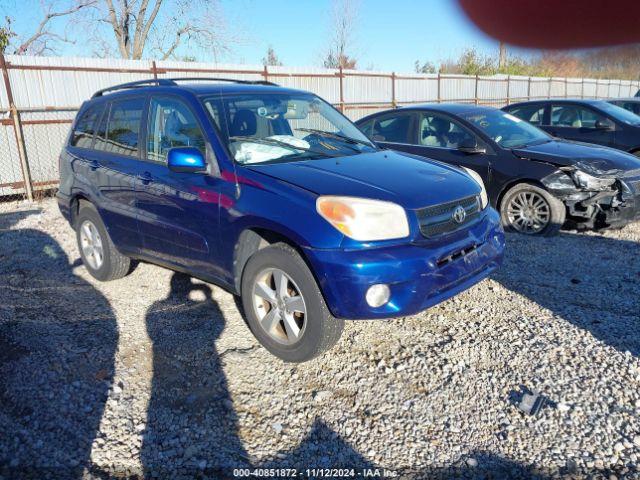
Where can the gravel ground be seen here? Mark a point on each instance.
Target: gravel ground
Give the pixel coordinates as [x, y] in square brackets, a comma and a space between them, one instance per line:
[157, 375]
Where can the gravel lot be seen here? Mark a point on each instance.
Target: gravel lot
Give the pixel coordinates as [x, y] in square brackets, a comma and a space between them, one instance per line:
[157, 375]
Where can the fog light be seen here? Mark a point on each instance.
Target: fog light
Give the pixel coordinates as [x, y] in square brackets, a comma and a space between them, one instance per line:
[378, 295]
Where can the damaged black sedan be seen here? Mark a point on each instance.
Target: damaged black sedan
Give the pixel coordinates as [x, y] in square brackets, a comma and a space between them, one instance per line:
[537, 182]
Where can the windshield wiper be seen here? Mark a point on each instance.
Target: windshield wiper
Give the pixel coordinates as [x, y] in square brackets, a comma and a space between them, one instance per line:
[337, 136]
[279, 143]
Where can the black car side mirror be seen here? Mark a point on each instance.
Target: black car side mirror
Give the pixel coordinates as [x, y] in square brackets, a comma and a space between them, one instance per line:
[470, 146]
[605, 125]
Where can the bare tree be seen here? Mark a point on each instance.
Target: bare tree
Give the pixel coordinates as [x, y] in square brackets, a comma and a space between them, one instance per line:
[271, 59]
[344, 19]
[161, 27]
[502, 58]
[45, 38]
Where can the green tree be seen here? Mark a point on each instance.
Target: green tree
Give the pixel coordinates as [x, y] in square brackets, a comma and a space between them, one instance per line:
[426, 67]
[6, 34]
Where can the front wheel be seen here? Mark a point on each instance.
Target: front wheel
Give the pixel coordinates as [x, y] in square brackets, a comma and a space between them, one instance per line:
[531, 210]
[284, 307]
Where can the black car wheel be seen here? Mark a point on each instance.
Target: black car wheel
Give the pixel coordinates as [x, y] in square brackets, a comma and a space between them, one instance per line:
[531, 210]
[284, 307]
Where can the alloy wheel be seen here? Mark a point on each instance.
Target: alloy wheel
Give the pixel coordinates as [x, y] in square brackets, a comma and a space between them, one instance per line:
[279, 306]
[528, 212]
[91, 244]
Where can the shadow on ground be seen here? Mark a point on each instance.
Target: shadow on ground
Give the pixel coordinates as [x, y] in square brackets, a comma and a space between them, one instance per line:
[588, 280]
[58, 337]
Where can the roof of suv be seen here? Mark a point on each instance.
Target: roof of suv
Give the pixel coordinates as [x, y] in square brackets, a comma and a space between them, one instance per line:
[195, 86]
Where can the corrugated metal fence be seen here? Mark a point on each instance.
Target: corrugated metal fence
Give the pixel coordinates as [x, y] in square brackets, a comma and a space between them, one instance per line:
[40, 95]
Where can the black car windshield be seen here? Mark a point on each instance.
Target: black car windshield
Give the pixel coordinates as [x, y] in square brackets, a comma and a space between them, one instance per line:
[279, 127]
[619, 113]
[505, 129]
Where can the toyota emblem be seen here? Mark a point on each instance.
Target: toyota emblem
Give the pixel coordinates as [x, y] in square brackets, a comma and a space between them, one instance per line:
[459, 214]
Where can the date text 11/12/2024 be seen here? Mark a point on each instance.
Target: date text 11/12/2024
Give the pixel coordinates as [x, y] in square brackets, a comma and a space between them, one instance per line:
[314, 473]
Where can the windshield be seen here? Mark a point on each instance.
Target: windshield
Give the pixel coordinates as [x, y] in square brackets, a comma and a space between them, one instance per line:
[505, 129]
[279, 127]
[620, 114]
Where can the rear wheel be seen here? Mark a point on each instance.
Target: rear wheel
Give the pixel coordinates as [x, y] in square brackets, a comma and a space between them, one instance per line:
[531, 210]
[284, 307]
[99, 255]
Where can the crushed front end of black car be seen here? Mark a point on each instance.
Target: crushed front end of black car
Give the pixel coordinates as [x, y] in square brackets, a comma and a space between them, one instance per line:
[596, 198]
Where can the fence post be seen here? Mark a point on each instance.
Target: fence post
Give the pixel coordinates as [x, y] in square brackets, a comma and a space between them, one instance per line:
[265, 73]
[582, 88]
[393, 90]
[341, 77]
[597, 84]
[154, 70]
[549, 87]
[508, 89]
[529, 88]
[476, 90]
[566, 85]
[17, 130]
[439, 98]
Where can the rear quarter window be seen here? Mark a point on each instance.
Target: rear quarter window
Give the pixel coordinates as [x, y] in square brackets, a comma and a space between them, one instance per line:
[85, 127]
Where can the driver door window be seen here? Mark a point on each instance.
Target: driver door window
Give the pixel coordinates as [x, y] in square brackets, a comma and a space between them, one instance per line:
[574, 116]
[439, 131]
[171, 124]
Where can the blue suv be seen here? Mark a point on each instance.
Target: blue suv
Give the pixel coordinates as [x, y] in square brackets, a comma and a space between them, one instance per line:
[274, 195]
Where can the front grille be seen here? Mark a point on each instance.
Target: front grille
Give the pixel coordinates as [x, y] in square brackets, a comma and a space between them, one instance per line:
[438, 220]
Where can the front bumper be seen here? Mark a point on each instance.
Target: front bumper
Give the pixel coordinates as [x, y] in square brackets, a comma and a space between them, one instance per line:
[597, 209]
[419, 275]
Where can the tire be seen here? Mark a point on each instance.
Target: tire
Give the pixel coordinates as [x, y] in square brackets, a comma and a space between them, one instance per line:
[317, 329]
[545, 213]
[113, 264]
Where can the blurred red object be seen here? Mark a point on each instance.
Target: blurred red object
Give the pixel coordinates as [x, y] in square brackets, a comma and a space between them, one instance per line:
[557, 24]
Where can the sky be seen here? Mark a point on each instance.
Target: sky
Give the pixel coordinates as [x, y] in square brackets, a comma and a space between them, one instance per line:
[389, 34]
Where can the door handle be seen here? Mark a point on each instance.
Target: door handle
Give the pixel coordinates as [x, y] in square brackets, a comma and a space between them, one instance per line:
[93, 164]
[145, 177]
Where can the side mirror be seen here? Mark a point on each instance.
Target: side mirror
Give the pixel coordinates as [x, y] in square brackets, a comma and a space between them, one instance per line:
[605, 125]
[470, 146]
[186, 160]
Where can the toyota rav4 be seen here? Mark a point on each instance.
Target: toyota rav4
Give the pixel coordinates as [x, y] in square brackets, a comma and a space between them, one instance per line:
[277, 197]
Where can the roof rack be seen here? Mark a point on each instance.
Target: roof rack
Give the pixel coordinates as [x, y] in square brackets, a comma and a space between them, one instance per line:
[172, 82]
[138, 84]
[221, 79]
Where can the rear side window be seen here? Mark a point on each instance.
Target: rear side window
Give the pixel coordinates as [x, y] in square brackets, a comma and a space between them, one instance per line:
[86, 126]
[394, 129]
[171, 124]
[120, 133]
[533, 114]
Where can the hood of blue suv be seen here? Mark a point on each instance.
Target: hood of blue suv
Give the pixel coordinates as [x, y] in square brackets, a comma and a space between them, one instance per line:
[384, 175]
[593, 159]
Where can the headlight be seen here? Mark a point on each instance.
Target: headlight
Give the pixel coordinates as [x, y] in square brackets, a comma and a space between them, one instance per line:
[484, 199]
[589, 182]
[364, 219]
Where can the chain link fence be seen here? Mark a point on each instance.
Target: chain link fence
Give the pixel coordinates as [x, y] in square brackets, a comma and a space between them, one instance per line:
[39, 97]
